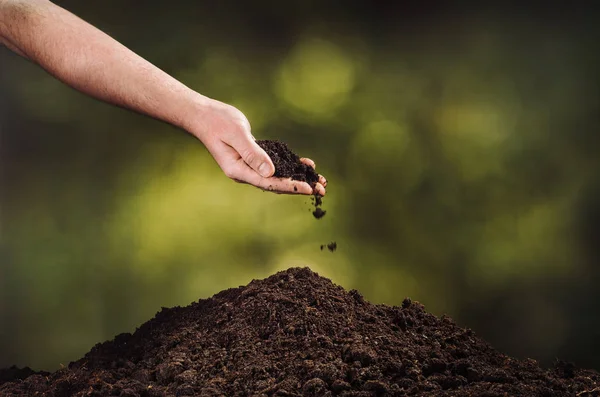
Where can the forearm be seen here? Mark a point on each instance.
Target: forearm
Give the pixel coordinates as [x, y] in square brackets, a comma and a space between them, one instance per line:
[92, 62]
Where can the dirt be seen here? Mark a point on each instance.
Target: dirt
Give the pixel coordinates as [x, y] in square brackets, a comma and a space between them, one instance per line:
[297, 334]
[14, 373]
[318, 211]
[288, 165]
[331, 246]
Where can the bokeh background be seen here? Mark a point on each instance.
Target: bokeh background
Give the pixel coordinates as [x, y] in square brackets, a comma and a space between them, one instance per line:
[461, 145]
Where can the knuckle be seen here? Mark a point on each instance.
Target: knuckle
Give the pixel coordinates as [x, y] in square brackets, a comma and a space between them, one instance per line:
[230, 173]
[238, 118]
[249, 156]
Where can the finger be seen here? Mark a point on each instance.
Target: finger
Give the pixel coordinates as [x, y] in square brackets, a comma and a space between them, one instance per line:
[319, 189]
[308, 162]
[245, 174]
[287, 186]
[322, 180]
[253, 155]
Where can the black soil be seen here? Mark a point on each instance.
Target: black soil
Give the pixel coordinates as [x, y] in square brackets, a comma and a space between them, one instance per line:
[297, 334]
[318, 212]
[288, 165]
[331, 246]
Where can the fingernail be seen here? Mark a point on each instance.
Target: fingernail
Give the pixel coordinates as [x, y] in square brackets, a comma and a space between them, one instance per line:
[264, 170]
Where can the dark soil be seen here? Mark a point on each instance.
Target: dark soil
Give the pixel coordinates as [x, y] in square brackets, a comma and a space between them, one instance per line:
[14, 373]
[298, 334]
[288, 165]
[318, 212]
[331, 246]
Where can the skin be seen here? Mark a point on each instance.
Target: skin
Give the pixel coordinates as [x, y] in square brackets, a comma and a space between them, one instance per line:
[92, 62]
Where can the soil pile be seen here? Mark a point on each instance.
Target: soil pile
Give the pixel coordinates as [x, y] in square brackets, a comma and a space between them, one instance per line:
[298, 334]
[288, 165]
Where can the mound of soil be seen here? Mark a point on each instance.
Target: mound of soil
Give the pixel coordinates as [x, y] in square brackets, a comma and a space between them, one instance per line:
[288, 165]
[297, 334]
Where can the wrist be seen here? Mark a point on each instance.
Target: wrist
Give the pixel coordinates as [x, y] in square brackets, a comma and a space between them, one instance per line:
[196, 117]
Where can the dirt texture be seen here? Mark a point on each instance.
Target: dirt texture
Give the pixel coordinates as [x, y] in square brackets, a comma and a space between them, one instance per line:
[288, 165]
[297, 334]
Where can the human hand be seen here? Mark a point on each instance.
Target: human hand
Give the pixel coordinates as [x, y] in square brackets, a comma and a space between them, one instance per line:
[225, 132]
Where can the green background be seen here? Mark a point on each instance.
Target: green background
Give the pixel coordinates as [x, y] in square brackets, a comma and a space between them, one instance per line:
[460, 145]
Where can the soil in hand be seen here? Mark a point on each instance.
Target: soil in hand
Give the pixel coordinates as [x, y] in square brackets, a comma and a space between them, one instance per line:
[288, 165]
[297, 334]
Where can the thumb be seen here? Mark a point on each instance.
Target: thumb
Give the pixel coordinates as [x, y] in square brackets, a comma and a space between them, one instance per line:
[255, 156]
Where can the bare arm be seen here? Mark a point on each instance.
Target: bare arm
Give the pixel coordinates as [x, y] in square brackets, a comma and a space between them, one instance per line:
[92, 62]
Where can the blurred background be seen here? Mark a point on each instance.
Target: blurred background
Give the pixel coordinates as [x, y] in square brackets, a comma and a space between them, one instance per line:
[461, 147]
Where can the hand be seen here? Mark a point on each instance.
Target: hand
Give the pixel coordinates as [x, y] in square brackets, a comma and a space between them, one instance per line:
[225, 132]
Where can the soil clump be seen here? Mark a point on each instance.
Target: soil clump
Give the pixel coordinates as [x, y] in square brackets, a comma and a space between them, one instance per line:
[288, 165]
[332, 246]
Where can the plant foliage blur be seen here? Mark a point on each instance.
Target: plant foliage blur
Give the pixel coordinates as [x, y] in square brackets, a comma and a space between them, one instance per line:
[461, 147]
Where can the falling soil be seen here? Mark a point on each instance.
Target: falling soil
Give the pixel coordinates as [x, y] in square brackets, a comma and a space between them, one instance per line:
[331, 246]
[318, 212]
[297, 334]
[288, 165]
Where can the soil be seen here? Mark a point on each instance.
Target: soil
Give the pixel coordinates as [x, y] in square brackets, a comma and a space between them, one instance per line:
[288, 165]
[331, 246]
[318, 212]
[297, 334]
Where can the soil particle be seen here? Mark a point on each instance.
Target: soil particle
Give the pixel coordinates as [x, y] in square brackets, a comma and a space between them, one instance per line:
[288, 165]
[297, 334]
[319, 213]
[331, 246]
